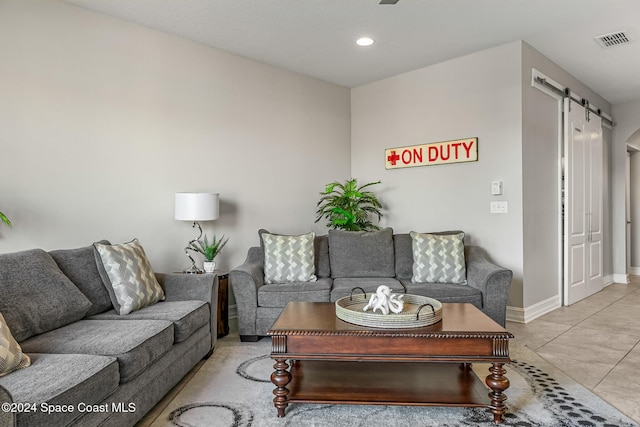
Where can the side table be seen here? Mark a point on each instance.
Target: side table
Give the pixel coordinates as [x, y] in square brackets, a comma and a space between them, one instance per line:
[223, 304]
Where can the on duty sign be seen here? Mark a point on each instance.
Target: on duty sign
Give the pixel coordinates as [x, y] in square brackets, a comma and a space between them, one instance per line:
[437, 153]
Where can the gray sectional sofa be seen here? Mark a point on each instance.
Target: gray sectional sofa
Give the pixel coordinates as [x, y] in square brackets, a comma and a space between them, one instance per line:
[345, 260]
[91, 366]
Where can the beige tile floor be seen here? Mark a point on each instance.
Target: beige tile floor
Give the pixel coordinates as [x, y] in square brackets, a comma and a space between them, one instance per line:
[595, 341]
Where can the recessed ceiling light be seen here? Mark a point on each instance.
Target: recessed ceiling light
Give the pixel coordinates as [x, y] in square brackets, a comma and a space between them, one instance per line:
[364, 41]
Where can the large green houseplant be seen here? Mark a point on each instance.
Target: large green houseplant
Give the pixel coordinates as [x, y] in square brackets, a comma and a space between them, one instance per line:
[348, 206]
[4, 219]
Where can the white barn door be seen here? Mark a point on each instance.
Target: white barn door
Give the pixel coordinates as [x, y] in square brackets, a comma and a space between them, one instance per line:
[583, 206]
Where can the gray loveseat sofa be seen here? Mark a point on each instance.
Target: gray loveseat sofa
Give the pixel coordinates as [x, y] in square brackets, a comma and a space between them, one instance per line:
[91, 366]
[345, 260]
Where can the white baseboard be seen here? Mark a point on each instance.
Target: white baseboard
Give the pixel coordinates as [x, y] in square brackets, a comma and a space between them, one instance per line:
[620, 278]
[634, 270]
[527, 314]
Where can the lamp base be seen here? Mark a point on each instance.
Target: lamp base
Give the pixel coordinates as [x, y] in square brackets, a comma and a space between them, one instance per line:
[192, 270]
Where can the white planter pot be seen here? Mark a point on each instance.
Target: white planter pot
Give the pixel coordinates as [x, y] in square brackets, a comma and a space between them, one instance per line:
[209, 266]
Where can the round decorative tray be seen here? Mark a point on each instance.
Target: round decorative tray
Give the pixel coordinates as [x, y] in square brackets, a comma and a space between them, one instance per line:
[417, 311]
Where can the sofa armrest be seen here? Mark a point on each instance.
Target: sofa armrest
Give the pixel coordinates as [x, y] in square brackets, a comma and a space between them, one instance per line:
[196, 287]
[7, 418]
[492, 280]
[245, 280]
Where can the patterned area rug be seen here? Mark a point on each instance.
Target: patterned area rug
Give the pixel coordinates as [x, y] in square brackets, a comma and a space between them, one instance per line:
[233, 389]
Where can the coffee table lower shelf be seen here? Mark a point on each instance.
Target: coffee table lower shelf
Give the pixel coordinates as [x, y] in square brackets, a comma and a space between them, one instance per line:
[386, 383]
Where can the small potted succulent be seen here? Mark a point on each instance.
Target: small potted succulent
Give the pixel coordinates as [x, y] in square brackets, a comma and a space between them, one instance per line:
[4, 219]
[209, 250]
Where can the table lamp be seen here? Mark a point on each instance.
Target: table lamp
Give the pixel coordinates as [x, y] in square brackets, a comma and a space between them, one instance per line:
[196, 207]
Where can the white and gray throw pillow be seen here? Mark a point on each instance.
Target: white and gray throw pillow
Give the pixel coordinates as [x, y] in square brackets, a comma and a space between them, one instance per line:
[288, 258]
[438, 258]
[128, 276]
[11, 355]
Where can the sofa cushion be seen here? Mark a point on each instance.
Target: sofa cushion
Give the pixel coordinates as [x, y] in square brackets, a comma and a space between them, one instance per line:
[79, 265]
[186, 316]
[128, 276]
[445, 292]
[361, 254]
[61, 379]
[278, 295]
[35, 296]
[438, 258]
[288, 258]
[11, 356]
[343, 287]
[135, 343]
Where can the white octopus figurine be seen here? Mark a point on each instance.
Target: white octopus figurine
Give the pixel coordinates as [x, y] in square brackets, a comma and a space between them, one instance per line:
[384, 301]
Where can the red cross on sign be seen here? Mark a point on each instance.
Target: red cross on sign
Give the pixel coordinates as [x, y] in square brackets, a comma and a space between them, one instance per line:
[437, 153]
[393, 158]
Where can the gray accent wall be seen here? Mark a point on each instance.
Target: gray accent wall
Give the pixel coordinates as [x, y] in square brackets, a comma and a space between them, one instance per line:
[627, 117]
[635, 211]
[540, 170]
[541, 122]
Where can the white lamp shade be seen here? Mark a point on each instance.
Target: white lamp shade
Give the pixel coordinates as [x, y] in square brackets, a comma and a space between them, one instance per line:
[196, 206]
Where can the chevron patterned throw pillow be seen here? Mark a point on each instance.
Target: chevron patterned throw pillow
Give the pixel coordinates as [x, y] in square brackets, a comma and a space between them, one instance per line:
[288, 258]
[438, 258]
[127, 275]
[11, 356]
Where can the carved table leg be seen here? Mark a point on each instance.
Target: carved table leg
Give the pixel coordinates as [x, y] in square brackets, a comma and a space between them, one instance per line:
[280, 378]
[498, 383]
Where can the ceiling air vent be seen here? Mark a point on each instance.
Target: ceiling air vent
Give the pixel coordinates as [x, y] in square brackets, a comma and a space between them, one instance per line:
[613, 39]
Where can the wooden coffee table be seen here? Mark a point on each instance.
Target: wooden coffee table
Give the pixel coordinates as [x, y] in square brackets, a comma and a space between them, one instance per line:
[322, 359]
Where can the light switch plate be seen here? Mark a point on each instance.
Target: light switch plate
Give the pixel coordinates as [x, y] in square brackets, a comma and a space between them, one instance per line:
[496, 188]
[498, 207]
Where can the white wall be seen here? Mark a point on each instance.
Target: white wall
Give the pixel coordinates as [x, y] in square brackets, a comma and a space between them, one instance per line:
[489, 95]
[101, 121]
[478, 95]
